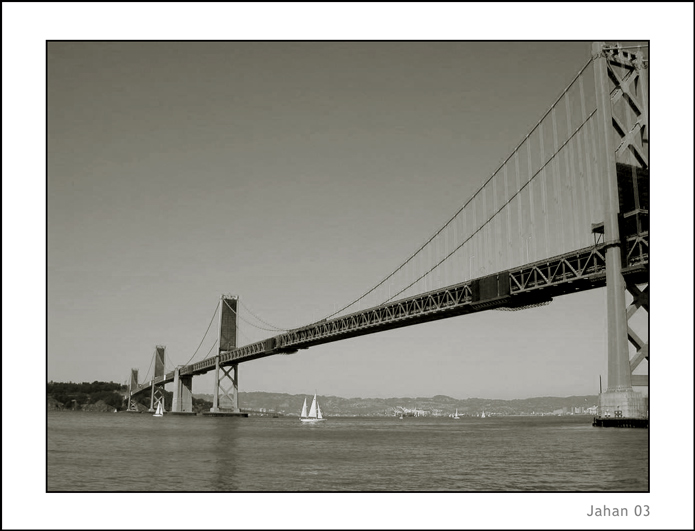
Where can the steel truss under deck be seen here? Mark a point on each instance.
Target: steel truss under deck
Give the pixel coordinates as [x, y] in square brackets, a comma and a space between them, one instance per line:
[516, 288]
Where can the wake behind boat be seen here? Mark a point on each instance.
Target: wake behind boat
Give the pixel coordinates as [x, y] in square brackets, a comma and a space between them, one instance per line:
[314, 414]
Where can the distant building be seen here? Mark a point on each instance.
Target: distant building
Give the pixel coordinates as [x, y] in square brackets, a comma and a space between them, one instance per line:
[415, 412]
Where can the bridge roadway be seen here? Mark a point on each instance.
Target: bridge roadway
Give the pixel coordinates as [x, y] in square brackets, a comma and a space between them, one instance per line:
[525, 286]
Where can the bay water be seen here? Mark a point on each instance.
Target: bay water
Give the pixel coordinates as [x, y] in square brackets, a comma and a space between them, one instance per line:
[121, 452]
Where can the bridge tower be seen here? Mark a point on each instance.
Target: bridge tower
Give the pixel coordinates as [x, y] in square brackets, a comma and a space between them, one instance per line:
[228, 383]
[621, 79]
[157, 394]
[132, 384]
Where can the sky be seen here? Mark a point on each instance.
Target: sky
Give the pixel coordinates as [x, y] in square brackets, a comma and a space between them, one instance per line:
[296, 176]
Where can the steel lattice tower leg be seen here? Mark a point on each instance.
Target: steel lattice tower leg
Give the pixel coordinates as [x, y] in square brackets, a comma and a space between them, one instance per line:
[132, 405]
[619, 400]
[157, 394]
[228, 325]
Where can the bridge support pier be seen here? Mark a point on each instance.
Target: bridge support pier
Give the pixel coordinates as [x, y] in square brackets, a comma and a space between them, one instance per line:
[156, 397]
[183, 393]
[619, 401]
[640, 300]
[230, 393]
[215, 392]
[227, 340]
[132, 384]
[132, 405]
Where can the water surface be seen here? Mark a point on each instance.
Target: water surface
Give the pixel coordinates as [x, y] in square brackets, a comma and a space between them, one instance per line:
[137, 452]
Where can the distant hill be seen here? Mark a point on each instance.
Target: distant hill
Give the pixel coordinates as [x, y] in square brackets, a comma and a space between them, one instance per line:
[439, 405]
[107, 396]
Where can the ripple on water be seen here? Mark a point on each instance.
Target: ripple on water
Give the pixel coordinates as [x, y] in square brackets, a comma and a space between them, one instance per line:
[106, 452]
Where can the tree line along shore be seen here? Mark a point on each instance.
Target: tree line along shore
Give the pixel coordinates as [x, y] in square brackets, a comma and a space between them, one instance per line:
[104, 397]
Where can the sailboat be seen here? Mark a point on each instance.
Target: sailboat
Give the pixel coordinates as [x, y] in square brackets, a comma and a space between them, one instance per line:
[159, 412]
[314, 412]
[483, 415]
[456, 415]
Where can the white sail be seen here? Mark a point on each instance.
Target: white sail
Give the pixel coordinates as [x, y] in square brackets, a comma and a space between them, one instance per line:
[159, 412]
[312, 411]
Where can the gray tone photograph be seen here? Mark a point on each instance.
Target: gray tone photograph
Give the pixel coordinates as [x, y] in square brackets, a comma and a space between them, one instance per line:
[330, 266]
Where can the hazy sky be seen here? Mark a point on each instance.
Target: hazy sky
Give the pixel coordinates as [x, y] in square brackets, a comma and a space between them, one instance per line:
[295, 175]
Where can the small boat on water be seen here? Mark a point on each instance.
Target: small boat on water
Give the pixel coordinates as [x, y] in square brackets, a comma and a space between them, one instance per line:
[314, 414]
[159, 412]
[456, 415]
[483, 415]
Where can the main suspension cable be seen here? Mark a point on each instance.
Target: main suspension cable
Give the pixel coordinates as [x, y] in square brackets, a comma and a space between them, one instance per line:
[277, 328]
[467, 202]
[252, 324]
[148, 370]
[206, 333]
[498, 210]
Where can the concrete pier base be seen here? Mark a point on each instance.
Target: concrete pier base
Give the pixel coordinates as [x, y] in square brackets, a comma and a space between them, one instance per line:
[622, 409]
[620, 423]
[621, 403]
[182, 401]
[180, 413]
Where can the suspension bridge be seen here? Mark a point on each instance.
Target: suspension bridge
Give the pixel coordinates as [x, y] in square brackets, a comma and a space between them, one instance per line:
[567, 211]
